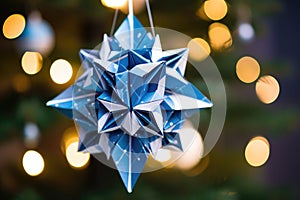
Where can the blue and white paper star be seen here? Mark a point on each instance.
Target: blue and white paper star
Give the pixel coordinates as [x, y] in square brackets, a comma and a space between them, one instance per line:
[131, 100]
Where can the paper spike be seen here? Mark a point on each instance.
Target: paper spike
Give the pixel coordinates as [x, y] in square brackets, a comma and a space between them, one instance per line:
[105, 48]
[63, 102]
[130, 157]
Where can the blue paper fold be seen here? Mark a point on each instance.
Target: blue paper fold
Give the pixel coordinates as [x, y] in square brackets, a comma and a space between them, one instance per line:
[130, 102]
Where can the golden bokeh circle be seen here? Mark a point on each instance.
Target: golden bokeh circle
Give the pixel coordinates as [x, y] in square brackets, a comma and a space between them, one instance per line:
[247, 69]
[215, 9]
[199, 49]
[14, 26]
[257, 151]
[32, 62]
[219, 36]
[267, 89]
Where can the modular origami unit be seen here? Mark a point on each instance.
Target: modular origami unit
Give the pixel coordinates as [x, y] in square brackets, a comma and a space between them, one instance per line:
[131, 100]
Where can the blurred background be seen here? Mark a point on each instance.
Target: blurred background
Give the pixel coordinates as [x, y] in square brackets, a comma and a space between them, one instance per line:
[255, 46]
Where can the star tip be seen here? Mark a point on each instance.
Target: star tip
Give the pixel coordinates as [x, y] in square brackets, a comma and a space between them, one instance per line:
[81, 148]
[83, 51]
[105, 37]
[49, 103]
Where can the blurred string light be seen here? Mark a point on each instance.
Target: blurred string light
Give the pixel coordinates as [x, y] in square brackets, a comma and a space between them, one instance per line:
[219, 36]
[61, 71]
[257, 151]
[31, 135]
[247, 69]
[77, 160]
[201, 13]
[215, 9]
[116, 4]
[21, 83]
[138, 6]
[267, 89]
[33, 163]
[38, 35]
[199, 49]
[32, 62]
[193, 151]
[246, 31]
[14, 26]
[185, 160]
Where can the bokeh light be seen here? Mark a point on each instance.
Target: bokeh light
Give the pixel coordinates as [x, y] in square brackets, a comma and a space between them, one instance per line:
[38, 35]
[32, 62]
[76, 159]
[193, 152]
[215, 9]
[163, 155]
[33, 163]
[267, 89]
[70, 135]
[31, 135]
[201, 13]
[116, 4]
[220, 36]
[138, 6]
[14, 26]
[246, 31]
[61, 71]
[199, 49]
[257, 151]
[247, 69]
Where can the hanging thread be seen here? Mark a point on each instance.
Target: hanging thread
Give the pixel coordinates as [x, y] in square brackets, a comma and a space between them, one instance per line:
[131, 26]
[150, 17]
[114, 22]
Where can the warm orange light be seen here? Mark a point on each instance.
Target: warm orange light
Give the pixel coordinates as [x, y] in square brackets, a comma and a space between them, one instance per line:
[61, 71]
[138, 6]
[70, 140]
[201, 13]
[199, 49]
[76, 159]
[193, 153]
[33, 163]
[116, 4]
[215, 9]
[267, 89]
[257, 151]
[70, 135]
[247, 69]
[220, 36]
[32, 62]
[13, 26]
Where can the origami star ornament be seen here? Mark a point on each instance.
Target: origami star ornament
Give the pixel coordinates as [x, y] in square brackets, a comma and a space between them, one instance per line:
[131, 100]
